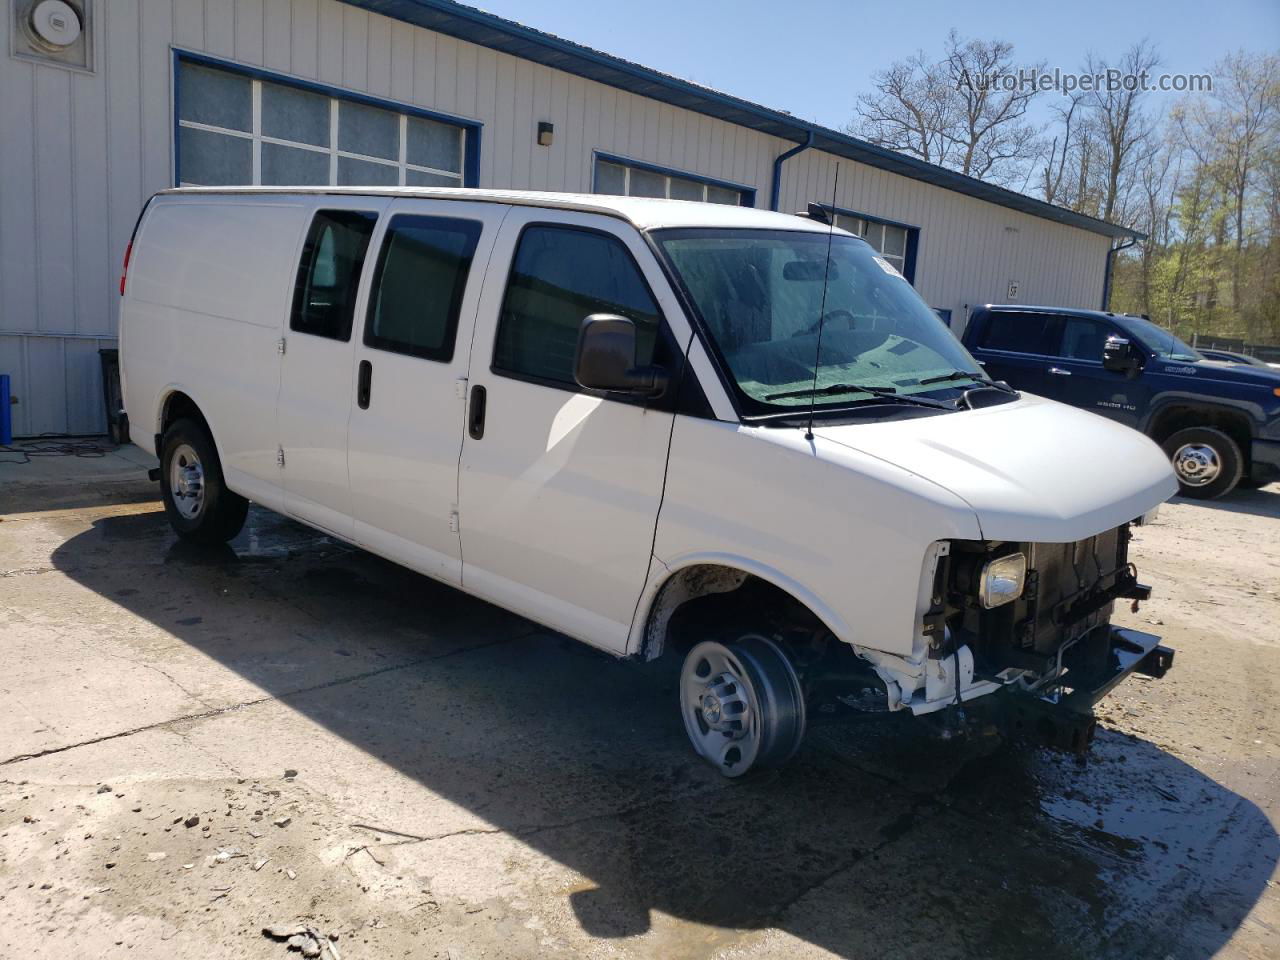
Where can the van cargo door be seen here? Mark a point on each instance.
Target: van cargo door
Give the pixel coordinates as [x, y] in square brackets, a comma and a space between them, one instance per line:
[316, 374]
[405, 433]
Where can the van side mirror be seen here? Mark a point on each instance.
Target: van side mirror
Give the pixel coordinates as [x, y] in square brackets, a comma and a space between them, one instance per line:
[606, 358]
[1119, 356]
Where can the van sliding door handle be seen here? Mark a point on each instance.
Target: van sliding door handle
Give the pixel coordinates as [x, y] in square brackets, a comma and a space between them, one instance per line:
[1059, 372]
[475, 413]
[364, 384]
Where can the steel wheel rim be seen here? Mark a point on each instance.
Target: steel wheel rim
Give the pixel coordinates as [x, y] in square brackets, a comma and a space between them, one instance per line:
[1197, 464]
[186, 481]
[742, 704]
[720, 709]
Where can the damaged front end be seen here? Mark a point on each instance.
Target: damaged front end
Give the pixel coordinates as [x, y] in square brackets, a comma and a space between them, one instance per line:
[1020, 634]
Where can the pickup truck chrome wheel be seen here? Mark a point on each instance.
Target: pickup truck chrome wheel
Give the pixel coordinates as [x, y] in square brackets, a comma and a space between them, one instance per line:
[1197, 464]
[1206, 461]
[742, 704]
[186, 480]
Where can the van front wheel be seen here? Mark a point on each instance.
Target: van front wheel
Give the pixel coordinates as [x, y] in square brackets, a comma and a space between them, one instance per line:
[1207, 461]
[196, 500]
[742, 704]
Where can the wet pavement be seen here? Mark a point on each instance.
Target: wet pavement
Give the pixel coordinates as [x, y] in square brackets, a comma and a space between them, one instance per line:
[467, 781]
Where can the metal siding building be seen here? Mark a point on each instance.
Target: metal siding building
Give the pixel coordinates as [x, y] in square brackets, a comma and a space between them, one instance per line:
[83, 148]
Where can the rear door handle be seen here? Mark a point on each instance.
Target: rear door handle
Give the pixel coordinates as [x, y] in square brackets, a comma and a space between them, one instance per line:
[364, 384]
[475, 413]
[1059, 372]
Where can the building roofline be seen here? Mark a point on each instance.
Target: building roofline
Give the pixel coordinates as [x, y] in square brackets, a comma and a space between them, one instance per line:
[516, 39]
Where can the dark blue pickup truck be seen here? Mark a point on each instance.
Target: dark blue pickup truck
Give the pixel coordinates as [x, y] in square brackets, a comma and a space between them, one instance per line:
[1219, 422]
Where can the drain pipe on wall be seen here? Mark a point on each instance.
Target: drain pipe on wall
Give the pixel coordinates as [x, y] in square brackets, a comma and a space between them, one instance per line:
[775, 188]
[1106, 276]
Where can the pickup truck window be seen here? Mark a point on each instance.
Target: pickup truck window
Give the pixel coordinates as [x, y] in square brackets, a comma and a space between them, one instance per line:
[324, 299]
[1161, 342]
[418, 286]
[1021, 333]
[762, 296]
[1083, 339]
[560, 276]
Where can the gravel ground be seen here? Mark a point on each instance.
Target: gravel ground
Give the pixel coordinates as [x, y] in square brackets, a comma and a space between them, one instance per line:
[197, 744]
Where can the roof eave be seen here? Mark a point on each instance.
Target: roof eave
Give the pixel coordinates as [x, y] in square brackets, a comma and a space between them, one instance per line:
[507, 36]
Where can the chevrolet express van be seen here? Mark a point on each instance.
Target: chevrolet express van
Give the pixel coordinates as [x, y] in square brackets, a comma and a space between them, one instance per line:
[659, 427]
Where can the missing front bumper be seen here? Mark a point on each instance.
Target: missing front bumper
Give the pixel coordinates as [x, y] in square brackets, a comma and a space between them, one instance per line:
[1063, 718]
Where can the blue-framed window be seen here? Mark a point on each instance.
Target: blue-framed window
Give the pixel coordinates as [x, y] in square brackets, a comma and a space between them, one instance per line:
[896, 242]
[236, 125]
[624, 177]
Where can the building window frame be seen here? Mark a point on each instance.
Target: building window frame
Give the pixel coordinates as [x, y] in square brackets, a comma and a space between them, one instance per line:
[746, 192]
[471, 129]
[913, 236]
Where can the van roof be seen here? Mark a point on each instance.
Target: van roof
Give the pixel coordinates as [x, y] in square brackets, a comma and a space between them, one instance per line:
[644, 212]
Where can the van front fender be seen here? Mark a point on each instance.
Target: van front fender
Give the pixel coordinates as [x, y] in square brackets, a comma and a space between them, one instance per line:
[671, 583]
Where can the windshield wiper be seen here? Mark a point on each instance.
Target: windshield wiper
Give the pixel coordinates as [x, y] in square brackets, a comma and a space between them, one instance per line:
[833, 388]
[965, 375]
[889, 393]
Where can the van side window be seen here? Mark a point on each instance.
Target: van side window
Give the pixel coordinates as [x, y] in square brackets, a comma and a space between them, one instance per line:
[560, 276]
[324, 299]
[1020, 333]
[418, 287]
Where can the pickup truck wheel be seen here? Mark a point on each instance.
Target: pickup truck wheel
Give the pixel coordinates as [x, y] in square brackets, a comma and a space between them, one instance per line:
[196, 500]
[742, 704]
[1207, 461]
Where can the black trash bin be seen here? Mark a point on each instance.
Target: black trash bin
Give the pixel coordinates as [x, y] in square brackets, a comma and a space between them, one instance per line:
[117, 420]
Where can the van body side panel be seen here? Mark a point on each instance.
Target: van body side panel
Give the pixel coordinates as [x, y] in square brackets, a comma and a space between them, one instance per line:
[843, 532]
[208, 288]
[403, 445]
[317, 390]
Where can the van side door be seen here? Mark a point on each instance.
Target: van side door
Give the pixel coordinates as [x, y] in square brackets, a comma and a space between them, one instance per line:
[317, 370]
[1015, 346]
[560, 486]
[408, 399]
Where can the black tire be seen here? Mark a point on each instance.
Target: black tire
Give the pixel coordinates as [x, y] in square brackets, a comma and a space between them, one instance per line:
[1207, 462]
[204, 511]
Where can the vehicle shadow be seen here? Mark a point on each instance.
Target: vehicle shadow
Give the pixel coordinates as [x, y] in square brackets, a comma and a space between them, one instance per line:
[1261, 502]
[877, 840]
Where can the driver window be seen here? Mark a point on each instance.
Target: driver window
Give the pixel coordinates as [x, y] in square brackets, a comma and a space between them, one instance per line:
[1083, 339]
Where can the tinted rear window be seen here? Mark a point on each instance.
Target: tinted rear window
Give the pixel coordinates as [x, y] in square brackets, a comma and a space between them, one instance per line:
[1019, 332]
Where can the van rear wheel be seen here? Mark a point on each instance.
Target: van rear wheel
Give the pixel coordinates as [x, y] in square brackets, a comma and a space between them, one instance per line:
[742, 704]
[196, 499]
[1207, 461]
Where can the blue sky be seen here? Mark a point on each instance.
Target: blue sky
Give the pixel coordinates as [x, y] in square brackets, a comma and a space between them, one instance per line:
[813, 57]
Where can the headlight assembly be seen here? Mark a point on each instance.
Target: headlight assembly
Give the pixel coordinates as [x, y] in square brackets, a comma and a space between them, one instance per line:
[1002, 580]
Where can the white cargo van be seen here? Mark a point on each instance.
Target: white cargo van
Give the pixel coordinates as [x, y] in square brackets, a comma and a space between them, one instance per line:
[657, 426]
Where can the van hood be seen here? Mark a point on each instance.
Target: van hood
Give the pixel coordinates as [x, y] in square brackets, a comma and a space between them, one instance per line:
[1031, 469]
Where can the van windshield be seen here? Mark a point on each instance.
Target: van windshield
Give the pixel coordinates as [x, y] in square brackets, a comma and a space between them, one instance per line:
[760, 297]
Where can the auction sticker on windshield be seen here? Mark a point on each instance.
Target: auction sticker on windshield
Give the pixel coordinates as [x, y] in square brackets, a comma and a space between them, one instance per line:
[888, 268]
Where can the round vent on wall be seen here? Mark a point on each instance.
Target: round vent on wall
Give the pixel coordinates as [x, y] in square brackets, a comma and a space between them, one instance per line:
[55, 32]
[55, 24]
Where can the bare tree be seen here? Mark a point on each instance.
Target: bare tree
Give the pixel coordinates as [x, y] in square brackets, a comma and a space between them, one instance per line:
[1126, 130]
[1061, 146]
[965, 111]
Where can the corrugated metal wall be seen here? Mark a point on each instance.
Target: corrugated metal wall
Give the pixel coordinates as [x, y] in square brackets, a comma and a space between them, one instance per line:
[81, 152]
